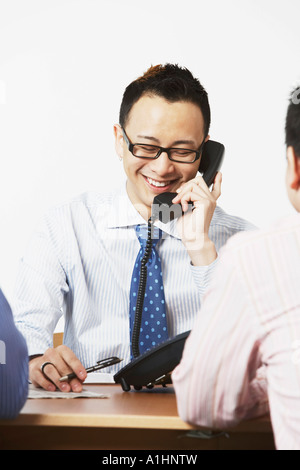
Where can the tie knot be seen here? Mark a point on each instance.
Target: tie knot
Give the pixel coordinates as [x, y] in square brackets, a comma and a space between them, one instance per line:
[142, 234]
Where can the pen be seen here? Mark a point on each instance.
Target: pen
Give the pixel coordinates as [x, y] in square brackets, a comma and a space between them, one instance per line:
[100, 365]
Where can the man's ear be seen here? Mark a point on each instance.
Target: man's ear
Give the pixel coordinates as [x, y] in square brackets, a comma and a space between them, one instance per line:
[119, 140]
[293, 169]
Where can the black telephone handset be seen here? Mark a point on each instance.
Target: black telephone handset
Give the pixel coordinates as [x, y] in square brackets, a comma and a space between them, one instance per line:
[211, 160]
[154, 367]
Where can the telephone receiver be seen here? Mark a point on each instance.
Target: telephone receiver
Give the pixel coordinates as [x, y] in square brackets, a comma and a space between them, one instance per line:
[154, 367]
[210, 162]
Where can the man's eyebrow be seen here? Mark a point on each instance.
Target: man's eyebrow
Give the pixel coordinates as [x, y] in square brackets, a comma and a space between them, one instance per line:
[148, 137]
[177, 142]
[183, 142]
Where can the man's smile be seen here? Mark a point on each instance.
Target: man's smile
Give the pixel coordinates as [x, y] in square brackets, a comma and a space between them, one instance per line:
[158, 185]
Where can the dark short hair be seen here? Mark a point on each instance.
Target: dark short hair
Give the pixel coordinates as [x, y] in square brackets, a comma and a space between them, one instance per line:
[171, 82]
[292, 123]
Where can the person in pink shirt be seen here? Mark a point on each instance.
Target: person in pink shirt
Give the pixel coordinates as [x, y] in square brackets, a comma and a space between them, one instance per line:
[242, 357]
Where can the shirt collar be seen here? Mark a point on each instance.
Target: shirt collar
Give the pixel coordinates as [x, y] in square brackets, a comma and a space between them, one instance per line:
[124, 214]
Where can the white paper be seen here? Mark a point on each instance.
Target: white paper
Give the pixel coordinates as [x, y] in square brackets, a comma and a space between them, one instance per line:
[35, 392]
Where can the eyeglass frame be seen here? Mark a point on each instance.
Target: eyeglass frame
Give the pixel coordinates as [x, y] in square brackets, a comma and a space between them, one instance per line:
[130, 146]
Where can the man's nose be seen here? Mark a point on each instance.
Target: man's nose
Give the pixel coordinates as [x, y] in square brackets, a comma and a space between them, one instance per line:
[162, 164]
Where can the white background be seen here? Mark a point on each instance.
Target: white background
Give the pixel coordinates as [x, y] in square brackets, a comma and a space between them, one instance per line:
[63, 69]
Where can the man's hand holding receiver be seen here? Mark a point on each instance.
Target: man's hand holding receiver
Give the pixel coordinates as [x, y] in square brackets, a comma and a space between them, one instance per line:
[194, 225]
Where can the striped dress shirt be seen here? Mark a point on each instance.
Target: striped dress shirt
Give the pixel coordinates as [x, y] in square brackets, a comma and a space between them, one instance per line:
[13, 364]
[79, 264]
[242, 357]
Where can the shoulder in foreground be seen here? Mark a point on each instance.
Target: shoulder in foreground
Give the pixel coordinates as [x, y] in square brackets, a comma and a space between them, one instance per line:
[280, 228]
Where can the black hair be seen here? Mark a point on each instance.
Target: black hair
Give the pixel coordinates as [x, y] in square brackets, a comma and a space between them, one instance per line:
[171, 82]
[292, 123]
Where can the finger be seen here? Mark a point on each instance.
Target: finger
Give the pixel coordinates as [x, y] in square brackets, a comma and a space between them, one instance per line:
[198, 181]
[76, 385]
[216, 190]
[38, 379]
[188, 187]
[190, 193]
[73, 363]
[67, 385]
[66, 363]
[51, 373]
[187, 200]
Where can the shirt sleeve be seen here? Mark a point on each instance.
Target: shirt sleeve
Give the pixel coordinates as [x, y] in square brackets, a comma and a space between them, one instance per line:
[40, 286]
[13, 364]
[220, 379]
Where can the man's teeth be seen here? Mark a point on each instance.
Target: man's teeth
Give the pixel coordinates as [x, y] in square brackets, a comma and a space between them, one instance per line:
[158, 183]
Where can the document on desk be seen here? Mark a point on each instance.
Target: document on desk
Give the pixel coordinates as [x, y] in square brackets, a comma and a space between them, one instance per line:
[34, 392]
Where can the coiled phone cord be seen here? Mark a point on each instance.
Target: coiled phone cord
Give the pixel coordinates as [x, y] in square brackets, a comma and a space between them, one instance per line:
[141, 292]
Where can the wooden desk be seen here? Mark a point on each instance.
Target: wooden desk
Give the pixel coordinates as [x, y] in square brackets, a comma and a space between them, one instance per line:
[146, 419]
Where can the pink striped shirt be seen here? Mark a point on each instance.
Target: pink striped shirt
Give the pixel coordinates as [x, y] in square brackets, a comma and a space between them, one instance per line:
[242, 357]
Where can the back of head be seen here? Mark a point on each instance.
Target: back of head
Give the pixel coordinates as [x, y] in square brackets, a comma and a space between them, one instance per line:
[292, 124]
[171, 82]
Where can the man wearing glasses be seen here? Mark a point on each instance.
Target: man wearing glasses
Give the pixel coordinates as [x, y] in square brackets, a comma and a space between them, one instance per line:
[81, 259]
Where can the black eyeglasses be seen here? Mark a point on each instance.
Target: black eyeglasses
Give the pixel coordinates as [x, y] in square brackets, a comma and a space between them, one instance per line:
[178, 155]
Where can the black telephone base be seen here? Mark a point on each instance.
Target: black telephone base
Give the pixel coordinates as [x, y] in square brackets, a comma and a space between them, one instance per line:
[154, 367]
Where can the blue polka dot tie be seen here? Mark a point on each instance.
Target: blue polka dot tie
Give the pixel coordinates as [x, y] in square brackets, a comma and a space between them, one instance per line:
[154, 322]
